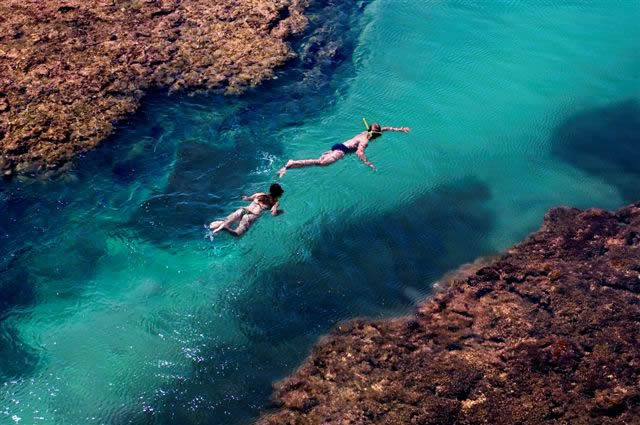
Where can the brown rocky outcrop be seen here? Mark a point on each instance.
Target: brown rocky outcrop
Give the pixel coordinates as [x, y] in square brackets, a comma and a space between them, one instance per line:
[70, 69]
[547, 333]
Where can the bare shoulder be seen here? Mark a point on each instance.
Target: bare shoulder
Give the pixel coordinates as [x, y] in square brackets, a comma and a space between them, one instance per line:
[358, 138]
[363, 139]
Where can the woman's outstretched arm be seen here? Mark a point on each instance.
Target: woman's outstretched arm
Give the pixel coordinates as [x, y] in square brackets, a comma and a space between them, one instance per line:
[275, 210]
[252, 197]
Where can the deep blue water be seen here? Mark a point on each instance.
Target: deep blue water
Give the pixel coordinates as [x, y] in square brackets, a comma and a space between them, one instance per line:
[117, 306]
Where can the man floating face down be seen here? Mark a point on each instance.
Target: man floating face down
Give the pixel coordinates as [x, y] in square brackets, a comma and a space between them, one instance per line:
[338, 151]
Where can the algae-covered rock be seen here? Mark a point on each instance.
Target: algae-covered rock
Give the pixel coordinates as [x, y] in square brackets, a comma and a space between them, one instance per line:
[546, 333]
[70, 69]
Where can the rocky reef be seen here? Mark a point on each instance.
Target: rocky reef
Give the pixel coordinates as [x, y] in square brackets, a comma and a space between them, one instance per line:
[546, 333]
[70, 69]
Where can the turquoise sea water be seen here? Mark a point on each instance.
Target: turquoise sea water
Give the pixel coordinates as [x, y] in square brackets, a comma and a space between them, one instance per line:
[117, 306]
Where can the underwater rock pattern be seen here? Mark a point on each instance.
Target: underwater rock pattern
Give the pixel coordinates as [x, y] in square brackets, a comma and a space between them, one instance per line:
[70, 69]
[547, 333]
[604, 142]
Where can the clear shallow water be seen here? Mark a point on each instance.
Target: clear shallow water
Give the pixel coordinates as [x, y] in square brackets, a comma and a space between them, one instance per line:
[116, 306]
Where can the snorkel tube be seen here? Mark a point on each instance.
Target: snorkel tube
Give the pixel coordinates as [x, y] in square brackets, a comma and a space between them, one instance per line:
[370, 131]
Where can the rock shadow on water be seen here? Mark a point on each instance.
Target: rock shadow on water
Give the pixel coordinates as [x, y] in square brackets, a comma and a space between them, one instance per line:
[35, 235]
[17, 290]
[360, 267]
[127, 170]
[70, 264]
[139, 149]
[604, 142]
[17, 359]
[369, 264]
[36, 258]
[203, 180]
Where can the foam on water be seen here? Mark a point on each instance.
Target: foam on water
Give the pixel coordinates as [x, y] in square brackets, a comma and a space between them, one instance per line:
[116, 305]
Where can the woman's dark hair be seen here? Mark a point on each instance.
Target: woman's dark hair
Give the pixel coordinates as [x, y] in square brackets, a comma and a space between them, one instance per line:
[275, 190]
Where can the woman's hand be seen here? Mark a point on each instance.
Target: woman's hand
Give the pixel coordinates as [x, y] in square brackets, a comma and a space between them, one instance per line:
[405, 129]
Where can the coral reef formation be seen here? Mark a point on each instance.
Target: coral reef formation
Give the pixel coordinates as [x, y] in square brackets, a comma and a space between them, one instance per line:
[546, 333]
[70, 69]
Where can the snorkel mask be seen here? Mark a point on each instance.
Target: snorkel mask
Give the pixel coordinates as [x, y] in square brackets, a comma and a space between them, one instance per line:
[370, 130]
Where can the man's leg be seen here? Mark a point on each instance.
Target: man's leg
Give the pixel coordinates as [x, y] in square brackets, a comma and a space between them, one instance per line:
[326, 159]
[298, 164]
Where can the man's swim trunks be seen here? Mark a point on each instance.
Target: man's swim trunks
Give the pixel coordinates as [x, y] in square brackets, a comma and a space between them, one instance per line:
[342, 147]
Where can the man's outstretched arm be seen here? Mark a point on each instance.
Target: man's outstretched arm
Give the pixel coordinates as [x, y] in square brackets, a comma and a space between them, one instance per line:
[400, 129]
[363, 157]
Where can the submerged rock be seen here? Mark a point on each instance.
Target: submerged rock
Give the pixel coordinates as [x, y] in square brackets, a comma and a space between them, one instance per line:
[604, 142]
[546, 333]
[70, 69]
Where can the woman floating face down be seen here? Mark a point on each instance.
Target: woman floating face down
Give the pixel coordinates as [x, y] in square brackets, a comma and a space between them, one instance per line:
[338, 151]
[247, 215]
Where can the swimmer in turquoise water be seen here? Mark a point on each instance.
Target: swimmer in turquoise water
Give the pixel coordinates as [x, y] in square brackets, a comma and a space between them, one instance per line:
[355, 145]
[260, 202]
